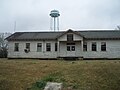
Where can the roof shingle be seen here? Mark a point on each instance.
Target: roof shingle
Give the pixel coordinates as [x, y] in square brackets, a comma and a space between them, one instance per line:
[101, 34]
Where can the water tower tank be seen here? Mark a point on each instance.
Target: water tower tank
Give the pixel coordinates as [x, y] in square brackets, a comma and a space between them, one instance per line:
[54, 23]
[54, 13]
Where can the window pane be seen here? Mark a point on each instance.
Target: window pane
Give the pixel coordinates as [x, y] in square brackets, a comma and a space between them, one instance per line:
[69, 37]
[39, 47]
[85, 46]
[48, 47]
[94, 46]
[16, 47]
[103, 46]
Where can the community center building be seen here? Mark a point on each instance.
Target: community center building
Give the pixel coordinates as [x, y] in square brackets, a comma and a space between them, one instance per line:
[63, 44]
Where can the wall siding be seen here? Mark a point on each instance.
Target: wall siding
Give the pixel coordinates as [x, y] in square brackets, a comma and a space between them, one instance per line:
[33, 50]
[112, 49]
[63, 49]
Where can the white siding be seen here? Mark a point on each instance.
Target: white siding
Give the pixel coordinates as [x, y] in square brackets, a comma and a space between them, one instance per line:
[64, 52]
[33, 50]
[112, 49]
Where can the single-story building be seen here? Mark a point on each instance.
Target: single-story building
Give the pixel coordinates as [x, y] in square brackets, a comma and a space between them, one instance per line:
[70, 43]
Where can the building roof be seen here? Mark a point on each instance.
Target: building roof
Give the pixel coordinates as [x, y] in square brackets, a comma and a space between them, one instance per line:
[103, 34]
[98, 34]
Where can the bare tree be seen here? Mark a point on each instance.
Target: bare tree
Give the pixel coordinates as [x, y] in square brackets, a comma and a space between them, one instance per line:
[117, 28]
[3, 45]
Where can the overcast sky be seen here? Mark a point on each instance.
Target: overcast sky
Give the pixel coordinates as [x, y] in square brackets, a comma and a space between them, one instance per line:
[33, 15]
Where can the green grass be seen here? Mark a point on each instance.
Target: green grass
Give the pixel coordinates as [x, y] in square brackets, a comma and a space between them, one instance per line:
[21, 74]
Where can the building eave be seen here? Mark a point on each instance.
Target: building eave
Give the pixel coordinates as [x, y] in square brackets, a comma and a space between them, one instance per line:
[70, 31]
[31, 39]
[102, 38]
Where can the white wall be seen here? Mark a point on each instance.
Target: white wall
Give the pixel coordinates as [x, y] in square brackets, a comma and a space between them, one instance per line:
[33, 50]
[64, 52]
[112, 49]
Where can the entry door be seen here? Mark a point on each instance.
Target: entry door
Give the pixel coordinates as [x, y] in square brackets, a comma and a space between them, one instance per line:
[70, 49]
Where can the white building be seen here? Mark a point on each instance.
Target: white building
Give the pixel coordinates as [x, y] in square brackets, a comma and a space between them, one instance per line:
[86, 44]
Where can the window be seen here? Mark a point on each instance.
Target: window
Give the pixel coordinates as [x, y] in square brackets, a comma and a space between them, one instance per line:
[94, 46]
[69, 37]
[70, 46]
[103, 46]
[28, 46]
[16, 48]
[55, 46]
[39, 47]
[85, 46]
[70, 43]
[48, 46]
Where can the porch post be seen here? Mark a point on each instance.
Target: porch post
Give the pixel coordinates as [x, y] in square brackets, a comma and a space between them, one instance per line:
[82, 45]
[43, 46]
[58, 48]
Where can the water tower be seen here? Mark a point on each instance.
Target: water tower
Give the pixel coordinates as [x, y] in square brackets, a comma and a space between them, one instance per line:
[54, 23]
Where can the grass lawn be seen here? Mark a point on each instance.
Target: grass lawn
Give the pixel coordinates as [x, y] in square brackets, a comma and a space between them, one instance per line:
[20, 74]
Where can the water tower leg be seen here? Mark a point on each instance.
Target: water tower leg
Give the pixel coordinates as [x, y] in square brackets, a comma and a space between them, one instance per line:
[51, 24]
[58, 23]
[54, 23]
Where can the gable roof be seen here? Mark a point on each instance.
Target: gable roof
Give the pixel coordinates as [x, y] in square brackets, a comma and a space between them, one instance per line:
[101, 34]
[70, 31]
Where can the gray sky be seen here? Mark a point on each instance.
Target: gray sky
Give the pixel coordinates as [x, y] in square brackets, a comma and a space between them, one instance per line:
[33, 15]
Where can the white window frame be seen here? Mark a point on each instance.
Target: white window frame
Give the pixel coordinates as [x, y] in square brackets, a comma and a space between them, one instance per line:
[16, 47]
[39, 47]
[92, 47]
[102, 46]
[48, 47]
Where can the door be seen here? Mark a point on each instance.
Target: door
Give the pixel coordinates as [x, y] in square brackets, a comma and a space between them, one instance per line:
[70, 49]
